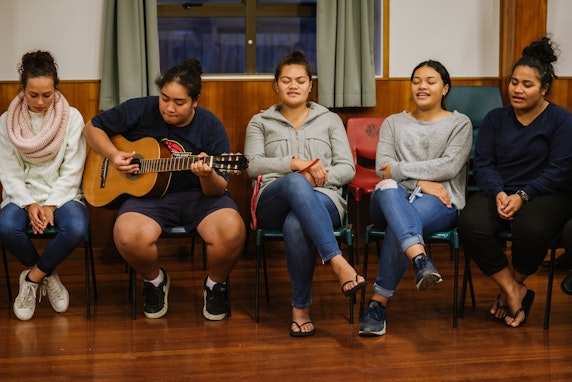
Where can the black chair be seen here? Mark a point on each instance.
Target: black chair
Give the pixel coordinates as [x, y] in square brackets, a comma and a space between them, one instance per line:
[507, 236]
[344, 234]
[50, 233]
[175, 232]
[451, 237]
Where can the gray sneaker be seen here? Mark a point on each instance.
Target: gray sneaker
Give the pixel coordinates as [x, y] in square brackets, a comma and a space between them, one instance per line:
[373, 320]
[25, 303]
[56, 291]
[426, 274]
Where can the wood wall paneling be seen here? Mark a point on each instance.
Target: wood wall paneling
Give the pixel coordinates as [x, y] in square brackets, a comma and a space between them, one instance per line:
[236, 101]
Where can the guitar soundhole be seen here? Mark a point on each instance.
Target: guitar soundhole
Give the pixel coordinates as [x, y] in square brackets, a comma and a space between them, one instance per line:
[136, 160]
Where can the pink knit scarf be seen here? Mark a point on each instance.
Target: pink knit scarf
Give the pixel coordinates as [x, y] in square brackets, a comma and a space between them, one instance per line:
[45, 145]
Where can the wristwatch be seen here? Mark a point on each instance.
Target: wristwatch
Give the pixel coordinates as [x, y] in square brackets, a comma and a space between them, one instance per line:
[523, 195]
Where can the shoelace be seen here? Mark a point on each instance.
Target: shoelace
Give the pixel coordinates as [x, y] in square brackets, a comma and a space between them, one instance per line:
[30, 295]
[52, 289]
[377, 312]
[153, 294]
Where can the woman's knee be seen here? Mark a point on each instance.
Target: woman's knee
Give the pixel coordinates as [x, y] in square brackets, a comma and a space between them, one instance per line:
[296, 183]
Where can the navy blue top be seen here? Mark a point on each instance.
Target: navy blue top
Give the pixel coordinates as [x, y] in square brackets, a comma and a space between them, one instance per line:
[140, 117]
[536, 158]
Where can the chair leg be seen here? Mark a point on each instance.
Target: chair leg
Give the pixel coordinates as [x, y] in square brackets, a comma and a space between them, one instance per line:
[353, 296]
[550, 282]
[455, 252]
[133, 292]
[467, 280]
[357, 232]
[87, 283]
[228, 296]
[365, 261]
[93, 272]
[257, 282]
[7, 275]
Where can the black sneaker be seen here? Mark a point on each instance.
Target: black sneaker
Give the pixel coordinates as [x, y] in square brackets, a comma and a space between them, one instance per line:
[562, 262]
[156, 298]
[216, 303]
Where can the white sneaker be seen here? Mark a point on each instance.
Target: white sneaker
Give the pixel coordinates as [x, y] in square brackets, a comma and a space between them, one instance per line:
[25, 303]
[57, 293]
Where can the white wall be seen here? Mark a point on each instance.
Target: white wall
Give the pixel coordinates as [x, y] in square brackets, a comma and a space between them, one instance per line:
[70, 29]
[462, 34]
[560, 27]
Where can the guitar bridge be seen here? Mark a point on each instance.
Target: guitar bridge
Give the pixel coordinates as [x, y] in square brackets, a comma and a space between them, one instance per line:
[103, 174]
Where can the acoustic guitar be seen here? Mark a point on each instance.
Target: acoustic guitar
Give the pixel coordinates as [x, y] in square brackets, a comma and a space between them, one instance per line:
[103, 184]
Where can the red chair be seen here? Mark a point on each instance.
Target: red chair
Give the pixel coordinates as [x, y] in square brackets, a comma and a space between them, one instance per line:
[363, 134]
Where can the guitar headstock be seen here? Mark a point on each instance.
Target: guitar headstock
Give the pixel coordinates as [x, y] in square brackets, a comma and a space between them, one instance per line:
[230, 163]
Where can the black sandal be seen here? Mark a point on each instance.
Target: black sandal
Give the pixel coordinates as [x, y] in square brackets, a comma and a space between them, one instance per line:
[300, 333]
[498, 306]
[526, 305]
[355, 289]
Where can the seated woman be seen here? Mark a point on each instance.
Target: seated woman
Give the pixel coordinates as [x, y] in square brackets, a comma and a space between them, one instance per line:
[303, 200]
[421, 157]
[523, 165]
[42, 153]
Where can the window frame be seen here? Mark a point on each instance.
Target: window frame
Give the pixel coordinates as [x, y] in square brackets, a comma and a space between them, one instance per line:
[250, 10]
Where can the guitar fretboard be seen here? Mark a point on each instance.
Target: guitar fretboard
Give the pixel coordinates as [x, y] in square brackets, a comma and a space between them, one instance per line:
[170, 164]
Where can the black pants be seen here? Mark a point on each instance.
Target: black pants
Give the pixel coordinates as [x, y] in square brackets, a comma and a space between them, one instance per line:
[534, 225]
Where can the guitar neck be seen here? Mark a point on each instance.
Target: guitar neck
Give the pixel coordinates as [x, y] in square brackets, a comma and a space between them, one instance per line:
[171, 164]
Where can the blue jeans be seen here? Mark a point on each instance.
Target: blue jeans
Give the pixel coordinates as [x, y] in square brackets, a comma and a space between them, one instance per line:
[72, 220]
[307, 218]
[405, 224]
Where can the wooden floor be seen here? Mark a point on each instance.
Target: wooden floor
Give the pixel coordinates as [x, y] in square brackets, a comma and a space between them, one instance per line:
[420, 343]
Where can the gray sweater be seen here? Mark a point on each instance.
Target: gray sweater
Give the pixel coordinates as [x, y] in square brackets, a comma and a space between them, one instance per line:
[271, 143]
[434, 151]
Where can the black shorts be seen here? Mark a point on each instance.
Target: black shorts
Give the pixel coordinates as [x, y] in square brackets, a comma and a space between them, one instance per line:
[186, 208]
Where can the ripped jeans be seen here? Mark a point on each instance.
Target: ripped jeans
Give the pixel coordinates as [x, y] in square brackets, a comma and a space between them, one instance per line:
[405, 224]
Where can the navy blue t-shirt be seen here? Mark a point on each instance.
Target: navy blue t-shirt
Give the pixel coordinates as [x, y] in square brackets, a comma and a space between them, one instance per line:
[536, 158]
[140, 117]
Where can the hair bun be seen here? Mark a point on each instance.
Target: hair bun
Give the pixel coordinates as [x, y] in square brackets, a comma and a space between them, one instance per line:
[543, 50]
[193, 66]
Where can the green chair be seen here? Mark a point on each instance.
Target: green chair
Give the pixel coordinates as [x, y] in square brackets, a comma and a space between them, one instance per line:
[475, 102]
[344, 234]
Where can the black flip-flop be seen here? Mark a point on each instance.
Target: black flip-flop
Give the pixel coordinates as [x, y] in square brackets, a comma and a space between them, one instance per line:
[526, 305]
[355, 289]
[498, 306]
[300, 333]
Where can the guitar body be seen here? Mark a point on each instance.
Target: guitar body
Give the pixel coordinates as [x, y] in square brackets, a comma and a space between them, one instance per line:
[116, 185]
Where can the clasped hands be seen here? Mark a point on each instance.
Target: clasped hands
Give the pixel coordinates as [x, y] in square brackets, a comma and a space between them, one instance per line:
[40, 217]
[508, 205]
[314, 172]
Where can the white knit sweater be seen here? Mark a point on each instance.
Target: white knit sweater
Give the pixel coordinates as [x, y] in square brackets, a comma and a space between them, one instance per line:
[52, 183]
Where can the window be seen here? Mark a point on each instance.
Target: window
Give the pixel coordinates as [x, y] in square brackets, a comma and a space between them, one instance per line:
[235, 36]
